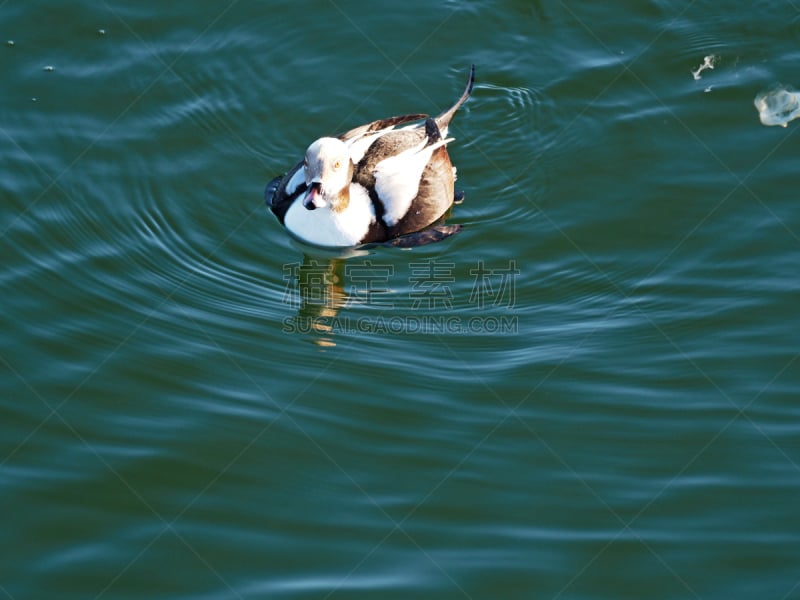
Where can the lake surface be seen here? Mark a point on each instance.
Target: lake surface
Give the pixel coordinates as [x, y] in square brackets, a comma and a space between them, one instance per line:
[590, 392]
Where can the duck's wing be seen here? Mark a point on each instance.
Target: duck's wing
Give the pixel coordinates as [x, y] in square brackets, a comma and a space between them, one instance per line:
[282, 191]
[361, 138]
[398, 176]
[378, 125]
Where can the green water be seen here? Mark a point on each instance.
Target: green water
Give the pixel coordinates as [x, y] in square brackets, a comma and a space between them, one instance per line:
[589, 392]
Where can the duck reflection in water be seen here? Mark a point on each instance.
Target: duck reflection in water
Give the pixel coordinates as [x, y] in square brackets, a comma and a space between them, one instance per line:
[316, 286]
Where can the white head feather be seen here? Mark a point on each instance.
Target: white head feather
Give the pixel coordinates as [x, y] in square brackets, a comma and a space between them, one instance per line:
[327, 170]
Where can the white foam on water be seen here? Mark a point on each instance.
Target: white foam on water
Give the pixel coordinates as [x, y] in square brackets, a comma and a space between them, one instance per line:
[778, 106]
[708, 63]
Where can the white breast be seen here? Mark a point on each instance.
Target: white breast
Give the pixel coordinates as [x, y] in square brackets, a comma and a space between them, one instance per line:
[324, 227]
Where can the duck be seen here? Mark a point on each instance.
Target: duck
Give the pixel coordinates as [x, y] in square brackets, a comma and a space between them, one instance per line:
[371, 184]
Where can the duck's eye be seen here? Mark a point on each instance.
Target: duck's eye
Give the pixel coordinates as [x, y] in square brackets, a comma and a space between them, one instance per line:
[337, 164]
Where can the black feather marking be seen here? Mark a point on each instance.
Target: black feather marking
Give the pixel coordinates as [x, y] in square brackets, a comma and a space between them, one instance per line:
[432, 131]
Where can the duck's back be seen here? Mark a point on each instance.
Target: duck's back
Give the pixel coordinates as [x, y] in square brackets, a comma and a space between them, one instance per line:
[386, 146]
[418, 198]
[435, 196]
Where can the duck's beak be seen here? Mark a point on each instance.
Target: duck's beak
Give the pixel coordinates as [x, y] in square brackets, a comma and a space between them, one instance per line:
[314, 197]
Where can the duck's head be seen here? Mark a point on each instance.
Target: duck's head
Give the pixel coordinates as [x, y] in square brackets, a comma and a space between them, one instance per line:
[328, 172]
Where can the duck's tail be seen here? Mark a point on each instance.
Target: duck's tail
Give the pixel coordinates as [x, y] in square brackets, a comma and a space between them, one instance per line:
[443, 120]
